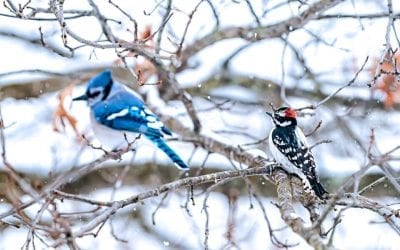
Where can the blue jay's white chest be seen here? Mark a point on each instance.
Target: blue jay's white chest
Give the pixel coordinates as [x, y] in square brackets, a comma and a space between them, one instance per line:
[282, 159]
[111, 139]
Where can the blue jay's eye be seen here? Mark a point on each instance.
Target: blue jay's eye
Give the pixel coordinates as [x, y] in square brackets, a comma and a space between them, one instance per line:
[93, 94]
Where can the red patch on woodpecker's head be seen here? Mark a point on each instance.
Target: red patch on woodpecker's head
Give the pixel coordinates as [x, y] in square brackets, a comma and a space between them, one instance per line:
[290, 113]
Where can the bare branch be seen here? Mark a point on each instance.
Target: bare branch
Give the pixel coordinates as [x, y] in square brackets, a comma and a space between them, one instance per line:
[262, 32]
[351, 82]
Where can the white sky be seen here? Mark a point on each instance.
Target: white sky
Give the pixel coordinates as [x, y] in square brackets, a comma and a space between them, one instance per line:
[33, 147]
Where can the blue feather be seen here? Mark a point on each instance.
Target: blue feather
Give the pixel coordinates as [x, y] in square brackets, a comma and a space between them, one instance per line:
[168, 151]
[123, 111]
[100, 80]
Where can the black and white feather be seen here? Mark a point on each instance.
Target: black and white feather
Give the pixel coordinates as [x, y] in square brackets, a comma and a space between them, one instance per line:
[289, 148]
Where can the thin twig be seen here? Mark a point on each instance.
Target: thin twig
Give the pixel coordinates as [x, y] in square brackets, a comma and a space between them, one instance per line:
[351, 82]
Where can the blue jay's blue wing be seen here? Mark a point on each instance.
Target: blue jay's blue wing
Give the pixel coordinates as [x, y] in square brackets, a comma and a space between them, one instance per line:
[124, 111]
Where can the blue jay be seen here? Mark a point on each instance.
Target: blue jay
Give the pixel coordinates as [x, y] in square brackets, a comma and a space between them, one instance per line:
[116, 110]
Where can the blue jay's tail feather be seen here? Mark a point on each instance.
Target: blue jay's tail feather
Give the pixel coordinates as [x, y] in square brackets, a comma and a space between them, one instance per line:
[166, 130]
[168, 151]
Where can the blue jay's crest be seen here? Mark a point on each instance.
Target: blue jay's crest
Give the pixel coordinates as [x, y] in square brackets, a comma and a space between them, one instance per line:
[115, 107]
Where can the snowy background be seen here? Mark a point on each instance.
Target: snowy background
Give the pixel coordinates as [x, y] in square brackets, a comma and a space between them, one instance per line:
[334, 48]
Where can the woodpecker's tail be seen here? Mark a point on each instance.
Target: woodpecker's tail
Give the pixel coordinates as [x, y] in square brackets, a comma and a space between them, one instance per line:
[319, 190]
[179, 163]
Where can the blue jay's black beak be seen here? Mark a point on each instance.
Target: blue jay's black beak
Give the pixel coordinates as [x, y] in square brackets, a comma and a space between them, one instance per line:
[83, 97]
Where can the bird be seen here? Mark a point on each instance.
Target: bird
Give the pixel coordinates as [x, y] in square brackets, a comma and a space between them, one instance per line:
[117, 110]
[289, 147]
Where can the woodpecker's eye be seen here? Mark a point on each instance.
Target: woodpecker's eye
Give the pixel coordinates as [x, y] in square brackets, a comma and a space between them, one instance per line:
[281, 113]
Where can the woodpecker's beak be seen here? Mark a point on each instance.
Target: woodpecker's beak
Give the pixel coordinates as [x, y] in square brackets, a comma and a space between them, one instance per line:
[83, 97]
[270, 114]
